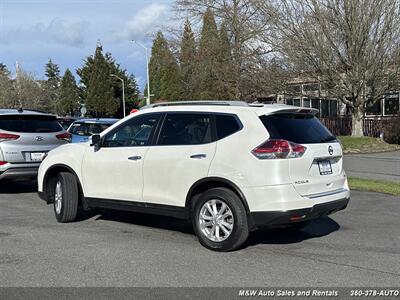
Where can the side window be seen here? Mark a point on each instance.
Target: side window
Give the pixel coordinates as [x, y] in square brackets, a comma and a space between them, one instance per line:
[185, 129]
[226, 125]
[135, 132]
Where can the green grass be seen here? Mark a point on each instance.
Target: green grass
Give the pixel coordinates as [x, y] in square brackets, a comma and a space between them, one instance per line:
[372, 185]
[365, 144]
[350, 142]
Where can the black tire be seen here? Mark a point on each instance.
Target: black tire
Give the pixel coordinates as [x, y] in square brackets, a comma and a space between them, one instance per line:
[299, 225]
[240, 228]
[69, 198]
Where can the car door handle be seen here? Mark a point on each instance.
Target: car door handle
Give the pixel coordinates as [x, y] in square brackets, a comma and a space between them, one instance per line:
[198, 156]
[136, 157]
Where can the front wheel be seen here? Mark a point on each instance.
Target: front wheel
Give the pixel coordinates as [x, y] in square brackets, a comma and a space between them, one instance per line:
[66, 197]
[220, 220]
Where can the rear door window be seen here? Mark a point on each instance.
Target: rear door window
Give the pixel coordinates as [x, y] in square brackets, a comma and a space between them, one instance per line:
[298, 128]
[29, 123]
[185, 129]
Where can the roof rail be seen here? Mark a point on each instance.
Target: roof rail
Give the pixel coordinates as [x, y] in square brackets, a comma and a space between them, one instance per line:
[199, 102]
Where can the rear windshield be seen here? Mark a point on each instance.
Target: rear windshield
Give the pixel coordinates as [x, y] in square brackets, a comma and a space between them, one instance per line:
[29, 124]
[298, 128]
[87, 129]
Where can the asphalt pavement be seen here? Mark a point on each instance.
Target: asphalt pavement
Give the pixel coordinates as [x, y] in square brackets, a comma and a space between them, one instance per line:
[359, 246]
[385, 165]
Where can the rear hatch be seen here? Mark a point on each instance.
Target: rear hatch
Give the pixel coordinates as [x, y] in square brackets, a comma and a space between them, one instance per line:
[25, 138]
[319, 171]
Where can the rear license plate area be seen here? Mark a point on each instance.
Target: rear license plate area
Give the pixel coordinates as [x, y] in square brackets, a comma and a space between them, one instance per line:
[37, 156]
[325, 167]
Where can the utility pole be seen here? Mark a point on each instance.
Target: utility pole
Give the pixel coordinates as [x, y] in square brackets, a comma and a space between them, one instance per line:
[148, 74]
[18, 82]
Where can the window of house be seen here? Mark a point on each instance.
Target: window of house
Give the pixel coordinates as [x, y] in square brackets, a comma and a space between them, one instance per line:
[306, 102]
[289, 101]
[315, 104]
[391, 104]
[311, 87]
[333, 108]
[373, 108]
[296, 102]
[324, 108]
[294, 89]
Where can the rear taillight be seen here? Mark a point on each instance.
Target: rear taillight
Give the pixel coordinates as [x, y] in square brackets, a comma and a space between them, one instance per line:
[8, 137]
[66, 136]
[278, 149]
[2, 163]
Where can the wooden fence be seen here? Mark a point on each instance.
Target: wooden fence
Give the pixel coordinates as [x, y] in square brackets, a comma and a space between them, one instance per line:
[372, 127]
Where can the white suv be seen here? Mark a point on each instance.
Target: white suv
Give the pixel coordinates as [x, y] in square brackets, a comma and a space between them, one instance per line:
[229, 167]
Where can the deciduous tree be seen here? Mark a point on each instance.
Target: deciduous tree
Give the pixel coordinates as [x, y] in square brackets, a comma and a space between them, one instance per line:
[350, 46]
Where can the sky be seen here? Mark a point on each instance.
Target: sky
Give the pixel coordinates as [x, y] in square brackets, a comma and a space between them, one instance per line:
[67, 31]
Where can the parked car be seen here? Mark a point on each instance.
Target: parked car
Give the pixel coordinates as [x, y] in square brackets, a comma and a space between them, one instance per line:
[82, 129]
[25, 137]
[228, 167]
[65, 122]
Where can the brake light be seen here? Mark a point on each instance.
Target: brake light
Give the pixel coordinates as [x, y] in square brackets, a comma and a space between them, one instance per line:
[66, 136]
[278, 149]
[8, 137]
[2, 163]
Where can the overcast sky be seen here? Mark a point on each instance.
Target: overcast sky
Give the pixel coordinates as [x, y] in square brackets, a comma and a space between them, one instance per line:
[32, 31]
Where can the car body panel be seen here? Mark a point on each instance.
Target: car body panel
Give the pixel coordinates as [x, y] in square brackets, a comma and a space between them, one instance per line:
[165, 174]
[170, 171]
[108, 173]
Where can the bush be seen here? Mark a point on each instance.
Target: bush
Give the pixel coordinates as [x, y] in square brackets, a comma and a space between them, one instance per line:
[392, 131]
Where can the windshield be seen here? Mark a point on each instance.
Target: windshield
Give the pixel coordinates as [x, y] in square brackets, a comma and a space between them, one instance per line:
[298, 128]
[87, 129]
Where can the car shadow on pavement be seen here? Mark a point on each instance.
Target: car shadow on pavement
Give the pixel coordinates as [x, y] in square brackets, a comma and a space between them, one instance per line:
[148, 220]
[18, 187]
[317, 228]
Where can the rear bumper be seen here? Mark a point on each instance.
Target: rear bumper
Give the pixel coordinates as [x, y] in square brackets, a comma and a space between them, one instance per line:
[17, 173]
[280, 218]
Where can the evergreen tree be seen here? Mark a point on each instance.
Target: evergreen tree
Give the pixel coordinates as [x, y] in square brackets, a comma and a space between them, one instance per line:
[188, 62]
[225, 68]
[165, 80]
[207, 58]
[69, 95]
[86, 73]
[52, 84]
[98, 85]
[131, 93]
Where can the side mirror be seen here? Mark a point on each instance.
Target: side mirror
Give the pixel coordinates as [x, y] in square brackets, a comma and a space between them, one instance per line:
[96, 141]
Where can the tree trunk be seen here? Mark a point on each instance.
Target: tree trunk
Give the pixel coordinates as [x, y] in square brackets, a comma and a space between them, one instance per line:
[357, 122]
